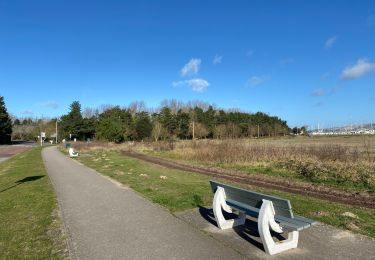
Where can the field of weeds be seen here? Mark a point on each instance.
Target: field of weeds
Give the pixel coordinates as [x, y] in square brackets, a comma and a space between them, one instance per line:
[347, 162]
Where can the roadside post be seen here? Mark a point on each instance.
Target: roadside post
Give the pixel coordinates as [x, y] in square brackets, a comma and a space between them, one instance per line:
[42, 137]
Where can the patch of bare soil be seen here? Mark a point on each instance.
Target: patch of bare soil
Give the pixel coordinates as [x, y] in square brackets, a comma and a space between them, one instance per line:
[363, 199]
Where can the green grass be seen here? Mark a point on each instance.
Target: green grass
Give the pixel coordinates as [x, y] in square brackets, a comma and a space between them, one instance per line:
[185, 190]
[29, 226]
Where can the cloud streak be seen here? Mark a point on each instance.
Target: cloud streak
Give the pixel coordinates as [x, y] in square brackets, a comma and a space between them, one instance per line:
[319, 92]
[360, 69]
[196, 84]
[51, 104]
[217, 59]
[27, 112]
[191, 68]
[256, 80]
[330, 42]
[286, 61]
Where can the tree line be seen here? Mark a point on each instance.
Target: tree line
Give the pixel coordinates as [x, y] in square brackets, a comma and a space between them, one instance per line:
[173, 120]
[5, 123]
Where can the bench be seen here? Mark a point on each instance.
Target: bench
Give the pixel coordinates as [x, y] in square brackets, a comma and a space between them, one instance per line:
[272, 213]
[72, 153]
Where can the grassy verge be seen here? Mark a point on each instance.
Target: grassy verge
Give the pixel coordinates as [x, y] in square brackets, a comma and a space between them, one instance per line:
[29, 225]
[179, 190]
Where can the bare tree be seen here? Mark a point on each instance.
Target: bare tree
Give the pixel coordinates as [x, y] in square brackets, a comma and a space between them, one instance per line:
[158, 131]
[199, 129]
[137, 107]
[104, 107]
[220, 131]
[88, 112]
[173, 104]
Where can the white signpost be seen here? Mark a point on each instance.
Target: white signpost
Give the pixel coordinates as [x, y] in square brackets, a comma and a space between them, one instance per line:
[42, 137]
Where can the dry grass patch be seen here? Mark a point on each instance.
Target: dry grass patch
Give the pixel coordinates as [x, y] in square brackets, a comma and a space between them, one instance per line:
[347, 162]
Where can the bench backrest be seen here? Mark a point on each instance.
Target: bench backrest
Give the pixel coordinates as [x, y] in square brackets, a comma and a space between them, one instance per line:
[254, 199]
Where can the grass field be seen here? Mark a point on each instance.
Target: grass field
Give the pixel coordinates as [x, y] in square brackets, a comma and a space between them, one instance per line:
[179, 190]
[344, 162]
[29, 224]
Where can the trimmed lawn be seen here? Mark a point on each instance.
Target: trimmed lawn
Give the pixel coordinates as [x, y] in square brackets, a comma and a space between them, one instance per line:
[29, 225]
[179, 190]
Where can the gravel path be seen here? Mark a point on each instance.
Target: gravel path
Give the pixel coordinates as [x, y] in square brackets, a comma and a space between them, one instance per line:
[105, 220]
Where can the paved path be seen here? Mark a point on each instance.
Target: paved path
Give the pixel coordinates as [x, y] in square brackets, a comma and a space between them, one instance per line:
[321, 241]
[7, 151]
[107, 221]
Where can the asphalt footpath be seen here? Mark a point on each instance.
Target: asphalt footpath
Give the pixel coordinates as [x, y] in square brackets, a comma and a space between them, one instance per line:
[106, 220]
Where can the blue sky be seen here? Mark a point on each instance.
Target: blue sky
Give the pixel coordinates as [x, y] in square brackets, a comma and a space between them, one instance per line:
[307, 63]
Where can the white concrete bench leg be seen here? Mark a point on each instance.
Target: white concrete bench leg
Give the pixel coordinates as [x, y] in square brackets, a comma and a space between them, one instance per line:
[219, 204]
[72, 153]
[266, 221]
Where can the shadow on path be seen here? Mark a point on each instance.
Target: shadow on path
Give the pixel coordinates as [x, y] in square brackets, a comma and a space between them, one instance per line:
[248, 232]
[26, 179]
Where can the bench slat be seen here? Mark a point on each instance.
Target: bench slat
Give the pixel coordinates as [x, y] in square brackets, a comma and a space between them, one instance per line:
[307, 220]
[293, 223]
[251, 211]
[290, 226]
[282, 206]
[297, 223]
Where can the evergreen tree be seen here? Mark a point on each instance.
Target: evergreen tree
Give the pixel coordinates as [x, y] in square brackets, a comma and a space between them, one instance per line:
[183, 120]
[115, 125]
[5, 123]
[143, 125]
[72, 123]
[110, 129]
[89, 126]
[168, 120]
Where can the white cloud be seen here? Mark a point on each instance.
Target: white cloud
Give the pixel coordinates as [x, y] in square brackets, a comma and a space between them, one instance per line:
[51, 104]
[361, 68]
[196, 84]
[329, 43]
[217, 59]
[27, 112]
[256, 80]
[178, 83]
[191, 68]
[318, 92]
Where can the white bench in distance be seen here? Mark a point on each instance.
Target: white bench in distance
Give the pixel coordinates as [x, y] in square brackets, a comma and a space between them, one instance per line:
[273, 213]
[72, 153]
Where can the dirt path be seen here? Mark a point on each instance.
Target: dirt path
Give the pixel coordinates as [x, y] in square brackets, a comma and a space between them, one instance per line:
[352, 198]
